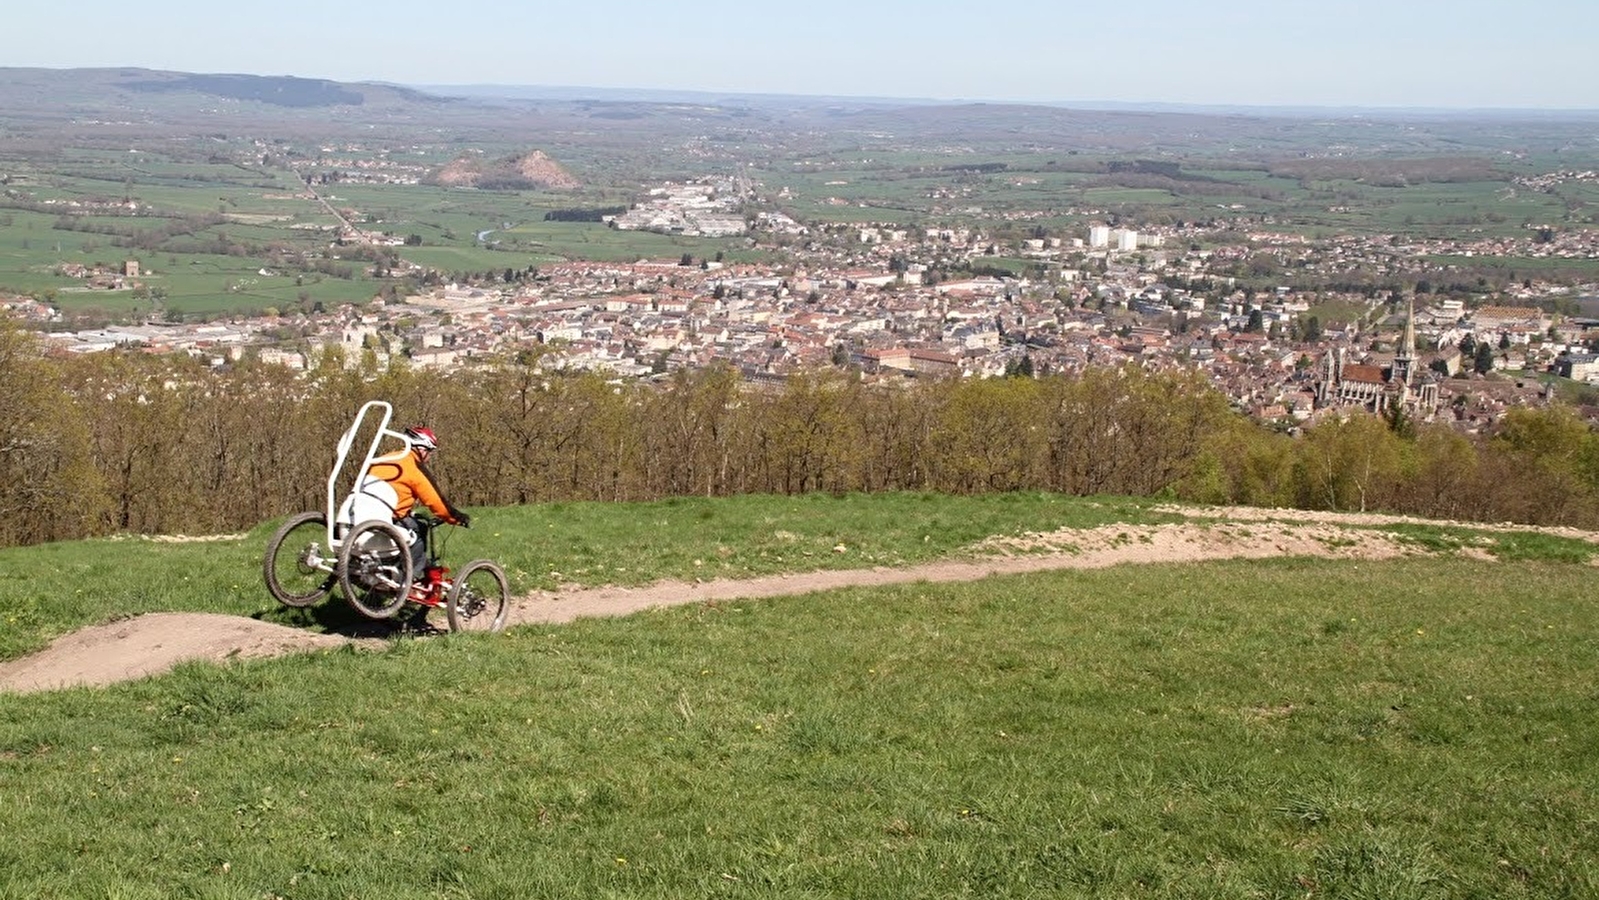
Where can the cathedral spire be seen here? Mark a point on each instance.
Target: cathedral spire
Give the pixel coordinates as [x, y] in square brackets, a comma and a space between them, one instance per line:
[1404, 370]
[1409, 347]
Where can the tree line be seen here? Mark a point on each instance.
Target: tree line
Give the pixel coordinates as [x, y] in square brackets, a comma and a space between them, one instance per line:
[109, 443]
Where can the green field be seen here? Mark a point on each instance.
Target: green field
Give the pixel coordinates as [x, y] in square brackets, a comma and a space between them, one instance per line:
[1411, 728]
[203, 231]
[1526, 267]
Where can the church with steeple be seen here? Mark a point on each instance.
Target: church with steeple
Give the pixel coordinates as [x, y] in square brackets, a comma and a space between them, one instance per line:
[1403, 383]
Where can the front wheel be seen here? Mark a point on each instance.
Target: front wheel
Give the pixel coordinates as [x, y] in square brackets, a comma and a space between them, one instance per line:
[479, 598]
[298, 565]
[375, 569]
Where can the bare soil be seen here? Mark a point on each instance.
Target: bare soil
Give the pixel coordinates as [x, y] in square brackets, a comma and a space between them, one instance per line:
[151, 644]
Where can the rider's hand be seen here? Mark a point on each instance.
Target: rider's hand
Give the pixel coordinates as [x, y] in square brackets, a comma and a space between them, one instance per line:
[463, 520]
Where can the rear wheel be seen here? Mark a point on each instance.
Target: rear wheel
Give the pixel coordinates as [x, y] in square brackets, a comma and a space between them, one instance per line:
[375, 569]
[298, 565]
[479, 599]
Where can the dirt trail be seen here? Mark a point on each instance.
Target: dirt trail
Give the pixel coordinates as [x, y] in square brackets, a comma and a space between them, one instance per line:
[150, 644]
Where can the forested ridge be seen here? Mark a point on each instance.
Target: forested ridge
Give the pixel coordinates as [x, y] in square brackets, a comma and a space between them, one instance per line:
[112, 442]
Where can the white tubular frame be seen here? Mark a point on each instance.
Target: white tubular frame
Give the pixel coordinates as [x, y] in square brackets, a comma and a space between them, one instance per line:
[347, 442]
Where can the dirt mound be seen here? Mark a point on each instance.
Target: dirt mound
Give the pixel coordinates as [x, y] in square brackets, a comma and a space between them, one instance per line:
[540, 169]
[533, 168]
[150, 644]
[463, 171]
[146, 645]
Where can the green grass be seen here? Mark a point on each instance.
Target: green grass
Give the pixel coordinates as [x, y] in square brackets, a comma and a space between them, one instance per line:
[50, 590]
[1510, 546]
[1010, 264]
[261, 213]
[1341, 311]
[53, 589]
[1262, 729]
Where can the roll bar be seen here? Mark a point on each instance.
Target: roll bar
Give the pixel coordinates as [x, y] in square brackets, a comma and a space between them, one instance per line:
[347, 443]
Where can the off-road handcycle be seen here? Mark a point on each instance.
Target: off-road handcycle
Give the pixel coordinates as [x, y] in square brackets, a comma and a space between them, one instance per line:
[353, 546]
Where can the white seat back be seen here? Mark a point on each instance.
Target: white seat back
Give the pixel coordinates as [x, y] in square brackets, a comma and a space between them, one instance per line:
[373, 498]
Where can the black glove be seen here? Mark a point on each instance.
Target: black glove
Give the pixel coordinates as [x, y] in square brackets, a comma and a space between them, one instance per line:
[463, 520]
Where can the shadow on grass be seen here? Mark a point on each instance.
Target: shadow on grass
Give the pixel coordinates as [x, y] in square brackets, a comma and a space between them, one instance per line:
[334, 616]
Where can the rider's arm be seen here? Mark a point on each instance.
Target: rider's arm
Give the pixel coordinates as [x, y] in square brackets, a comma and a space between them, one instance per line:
[430, 497]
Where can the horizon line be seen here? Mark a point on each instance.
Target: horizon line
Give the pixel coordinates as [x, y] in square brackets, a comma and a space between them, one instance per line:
[660, 94]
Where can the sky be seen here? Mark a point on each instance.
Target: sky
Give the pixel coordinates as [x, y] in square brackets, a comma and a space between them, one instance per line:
[1447, 54]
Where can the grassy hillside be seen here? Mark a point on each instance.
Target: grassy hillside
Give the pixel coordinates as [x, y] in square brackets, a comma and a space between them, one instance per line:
[49, 590]
[1410, 728]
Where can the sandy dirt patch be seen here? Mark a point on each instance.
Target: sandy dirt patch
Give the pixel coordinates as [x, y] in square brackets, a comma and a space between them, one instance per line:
[150, 644]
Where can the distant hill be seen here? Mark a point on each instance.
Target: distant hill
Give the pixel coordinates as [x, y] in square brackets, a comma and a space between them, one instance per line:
[724, 98]
[657, 95]
[43, 93]
[275, 91]
[50, 106]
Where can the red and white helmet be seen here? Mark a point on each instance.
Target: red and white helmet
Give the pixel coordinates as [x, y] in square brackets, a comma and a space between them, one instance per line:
[422, 438]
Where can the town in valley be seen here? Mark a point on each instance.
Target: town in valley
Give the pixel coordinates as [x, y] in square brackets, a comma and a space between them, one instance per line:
[1291, 324]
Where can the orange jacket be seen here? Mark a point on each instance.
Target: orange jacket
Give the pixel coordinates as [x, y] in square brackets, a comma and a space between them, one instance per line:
[412, 482]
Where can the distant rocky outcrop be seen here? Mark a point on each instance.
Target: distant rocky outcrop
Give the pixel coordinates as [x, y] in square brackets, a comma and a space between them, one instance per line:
[531, 170]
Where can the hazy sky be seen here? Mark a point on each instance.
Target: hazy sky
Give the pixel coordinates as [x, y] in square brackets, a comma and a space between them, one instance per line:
[1373, 53]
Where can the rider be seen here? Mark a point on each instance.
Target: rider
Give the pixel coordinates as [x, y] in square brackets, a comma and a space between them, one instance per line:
[412, 482]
